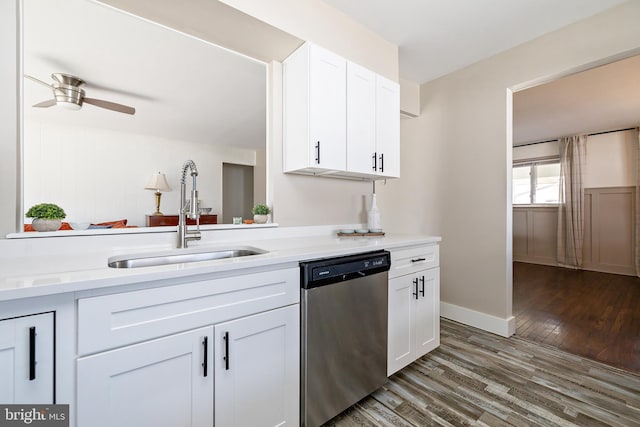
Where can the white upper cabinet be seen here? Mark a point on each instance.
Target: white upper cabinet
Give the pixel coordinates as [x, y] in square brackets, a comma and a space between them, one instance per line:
[314, 111]
[361, 119]
[373, 124]
[387, 128]
[340, 119]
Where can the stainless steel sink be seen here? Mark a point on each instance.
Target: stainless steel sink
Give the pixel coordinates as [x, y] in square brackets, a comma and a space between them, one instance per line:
[179, 257]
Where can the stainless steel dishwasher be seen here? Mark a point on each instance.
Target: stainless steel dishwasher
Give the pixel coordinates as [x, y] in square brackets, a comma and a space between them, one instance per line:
[343, 333]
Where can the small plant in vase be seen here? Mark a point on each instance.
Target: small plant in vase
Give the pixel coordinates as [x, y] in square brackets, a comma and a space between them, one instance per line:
[46, 216]
[260, 213]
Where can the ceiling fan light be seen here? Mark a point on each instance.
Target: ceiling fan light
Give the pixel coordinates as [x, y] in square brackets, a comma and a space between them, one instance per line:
[68, 105]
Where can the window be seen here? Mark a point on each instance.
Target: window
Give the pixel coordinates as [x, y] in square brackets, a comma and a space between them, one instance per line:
[536, 182]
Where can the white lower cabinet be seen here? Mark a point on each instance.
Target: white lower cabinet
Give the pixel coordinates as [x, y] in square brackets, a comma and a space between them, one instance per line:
[257, 369]
[414, 306]
[250, 365]
[221, 352]
[26, 359]
[162, 382]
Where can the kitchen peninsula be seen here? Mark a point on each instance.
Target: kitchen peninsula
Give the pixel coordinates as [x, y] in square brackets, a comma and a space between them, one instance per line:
[210, 330]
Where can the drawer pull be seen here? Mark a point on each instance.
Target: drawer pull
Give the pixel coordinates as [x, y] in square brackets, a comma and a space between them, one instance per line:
[418, 259]
[205, 344]
[32, 353]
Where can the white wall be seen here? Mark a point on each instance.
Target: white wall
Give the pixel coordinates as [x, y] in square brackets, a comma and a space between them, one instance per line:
[457, 156]
[59, 159]
[610, 159]
[409, 97]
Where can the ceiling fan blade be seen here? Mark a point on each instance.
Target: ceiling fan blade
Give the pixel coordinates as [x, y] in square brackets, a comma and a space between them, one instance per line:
[47, 103]
[110, 105]
[38, 81]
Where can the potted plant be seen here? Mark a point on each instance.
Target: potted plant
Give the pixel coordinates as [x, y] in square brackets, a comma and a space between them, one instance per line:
[46, 216]
[260, 213]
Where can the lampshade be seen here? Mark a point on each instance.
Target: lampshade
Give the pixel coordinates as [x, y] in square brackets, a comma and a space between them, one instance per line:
[158, 182]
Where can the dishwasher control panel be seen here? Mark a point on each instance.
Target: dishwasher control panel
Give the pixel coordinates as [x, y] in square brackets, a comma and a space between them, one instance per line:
[332, 270]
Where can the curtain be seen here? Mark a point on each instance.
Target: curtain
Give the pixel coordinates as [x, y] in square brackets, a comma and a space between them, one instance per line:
[571, 204]
[637, 213]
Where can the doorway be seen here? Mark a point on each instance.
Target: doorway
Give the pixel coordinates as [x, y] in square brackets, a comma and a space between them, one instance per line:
[237, 192]
[588, 312]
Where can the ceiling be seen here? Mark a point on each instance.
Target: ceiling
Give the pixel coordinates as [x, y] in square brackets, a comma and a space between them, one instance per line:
[601, 99]
[437, 37]
[182, 88]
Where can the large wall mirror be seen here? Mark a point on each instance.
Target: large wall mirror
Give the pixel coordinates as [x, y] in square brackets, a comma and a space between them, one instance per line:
[192, 100]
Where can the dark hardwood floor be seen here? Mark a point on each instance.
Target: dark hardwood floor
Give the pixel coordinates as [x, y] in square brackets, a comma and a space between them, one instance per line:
[594, 315]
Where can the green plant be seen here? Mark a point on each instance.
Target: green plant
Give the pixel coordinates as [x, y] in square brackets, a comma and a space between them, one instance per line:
[46, 211]
[261, 209]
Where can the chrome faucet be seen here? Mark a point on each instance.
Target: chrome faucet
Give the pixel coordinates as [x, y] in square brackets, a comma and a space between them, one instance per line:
[189, 208]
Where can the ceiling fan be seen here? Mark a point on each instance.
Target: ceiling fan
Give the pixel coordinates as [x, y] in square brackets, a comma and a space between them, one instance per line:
[68, 93]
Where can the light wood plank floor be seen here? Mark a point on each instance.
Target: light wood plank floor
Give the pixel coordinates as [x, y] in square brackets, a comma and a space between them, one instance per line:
[477, 378]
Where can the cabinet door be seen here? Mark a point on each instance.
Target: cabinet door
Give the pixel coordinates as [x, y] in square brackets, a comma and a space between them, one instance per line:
[361, 116]
[26, 359]
[401, 337]
[257, 369]
[327, 110]
[388, 127]
[162, 382]
[427, 312]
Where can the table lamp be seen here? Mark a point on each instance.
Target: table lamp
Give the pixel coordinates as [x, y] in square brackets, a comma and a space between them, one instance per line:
[158, 182]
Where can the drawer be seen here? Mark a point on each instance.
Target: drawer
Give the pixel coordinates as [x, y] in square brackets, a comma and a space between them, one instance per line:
[408, 261]
[110, 321]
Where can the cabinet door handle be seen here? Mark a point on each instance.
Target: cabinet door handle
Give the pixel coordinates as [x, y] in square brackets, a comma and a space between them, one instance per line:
[418, 259]
[381, 162]
[318, 153]
[375, 161]
[32, 353]
[226, 351]
[205, 364]
[415, 282]
[422, 281]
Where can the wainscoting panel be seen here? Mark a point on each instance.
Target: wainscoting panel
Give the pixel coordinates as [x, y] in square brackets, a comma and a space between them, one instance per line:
[534, 234]
[520, 233]
[608, 231]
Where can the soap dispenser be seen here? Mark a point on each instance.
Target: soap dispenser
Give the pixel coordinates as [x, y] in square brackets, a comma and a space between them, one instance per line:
[373, 216]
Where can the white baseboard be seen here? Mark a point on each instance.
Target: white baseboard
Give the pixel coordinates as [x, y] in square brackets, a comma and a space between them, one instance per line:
[496, 325]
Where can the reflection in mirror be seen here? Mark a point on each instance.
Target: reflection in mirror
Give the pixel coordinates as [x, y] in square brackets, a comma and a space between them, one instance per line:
[192, 100]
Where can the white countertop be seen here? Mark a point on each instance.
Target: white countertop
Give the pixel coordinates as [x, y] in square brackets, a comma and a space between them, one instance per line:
[88, 270]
